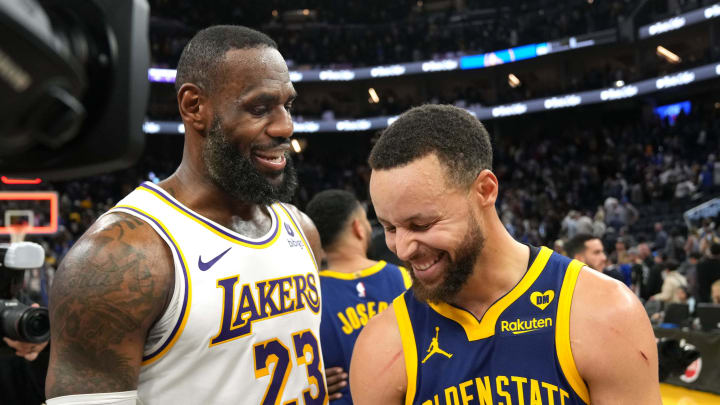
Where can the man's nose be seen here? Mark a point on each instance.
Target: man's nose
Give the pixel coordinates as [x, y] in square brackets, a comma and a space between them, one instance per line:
[281, 125]
[405, 245]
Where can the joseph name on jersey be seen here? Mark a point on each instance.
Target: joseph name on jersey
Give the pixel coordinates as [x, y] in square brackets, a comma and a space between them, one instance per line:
[243, 323]
[350, 300]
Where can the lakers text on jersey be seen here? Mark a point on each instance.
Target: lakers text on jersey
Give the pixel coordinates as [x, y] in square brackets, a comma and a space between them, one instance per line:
[243, 324]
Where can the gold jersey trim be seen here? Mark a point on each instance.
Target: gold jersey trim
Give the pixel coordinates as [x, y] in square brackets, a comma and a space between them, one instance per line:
[406, 277]
[562, 332]
[356, 275]
[409, 348]
[180, 324]
[485, 328]
[218, 229]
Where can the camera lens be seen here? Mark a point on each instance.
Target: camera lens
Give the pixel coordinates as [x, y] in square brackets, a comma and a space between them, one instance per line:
[35, 325]
[27, 324]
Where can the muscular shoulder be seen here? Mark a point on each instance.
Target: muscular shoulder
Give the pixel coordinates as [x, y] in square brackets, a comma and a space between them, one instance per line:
[377, 369]
[612, 342]
[110, 288]
[118, 245]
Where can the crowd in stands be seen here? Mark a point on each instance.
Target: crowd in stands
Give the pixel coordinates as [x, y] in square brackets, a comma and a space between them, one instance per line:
[359, 33]
[627, 182]
[374, 32]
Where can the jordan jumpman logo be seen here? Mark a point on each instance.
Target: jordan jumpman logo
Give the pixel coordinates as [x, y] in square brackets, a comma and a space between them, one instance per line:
[434, 348]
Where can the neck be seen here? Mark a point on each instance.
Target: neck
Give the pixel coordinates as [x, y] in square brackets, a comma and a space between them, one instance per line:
[193, 188]
[499, 267]
[347, 259]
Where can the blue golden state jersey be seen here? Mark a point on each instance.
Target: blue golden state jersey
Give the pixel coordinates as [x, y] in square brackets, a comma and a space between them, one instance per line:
[349, 301]
[518, 353]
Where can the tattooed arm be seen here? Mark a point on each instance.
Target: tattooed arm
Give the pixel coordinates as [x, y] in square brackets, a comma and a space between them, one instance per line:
[109, 290]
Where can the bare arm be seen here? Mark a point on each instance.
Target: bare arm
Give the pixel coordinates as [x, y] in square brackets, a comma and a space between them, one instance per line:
[107, 293]
[377, 368]
[613, 343]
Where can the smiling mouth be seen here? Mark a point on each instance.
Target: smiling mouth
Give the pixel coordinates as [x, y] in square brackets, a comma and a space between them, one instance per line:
[270, 160]
[430, 270]
[427, 264]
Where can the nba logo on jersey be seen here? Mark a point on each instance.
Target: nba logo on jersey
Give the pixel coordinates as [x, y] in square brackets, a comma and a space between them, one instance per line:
[360, 289]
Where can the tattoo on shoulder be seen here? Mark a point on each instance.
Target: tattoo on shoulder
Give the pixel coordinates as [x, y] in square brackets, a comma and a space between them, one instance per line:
[103, 299]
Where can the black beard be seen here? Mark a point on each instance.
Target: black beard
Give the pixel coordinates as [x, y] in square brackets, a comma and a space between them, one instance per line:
[458, 271]
[236, 175]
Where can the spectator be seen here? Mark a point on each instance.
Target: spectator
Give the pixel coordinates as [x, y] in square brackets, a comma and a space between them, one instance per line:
[584, 224]
[689, 269]
[638, 270]
[708, 271]
[621, 254]
[715, 292]
[570, 224]
[673, 281]
[654, 281]
[599, 223]
[589, 250]
[661, 238]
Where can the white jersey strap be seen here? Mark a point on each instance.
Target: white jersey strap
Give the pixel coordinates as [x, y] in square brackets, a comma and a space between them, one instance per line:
[104, 398]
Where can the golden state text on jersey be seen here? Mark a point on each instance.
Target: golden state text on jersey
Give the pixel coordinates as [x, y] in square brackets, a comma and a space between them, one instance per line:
[518, 353]
[243, 323]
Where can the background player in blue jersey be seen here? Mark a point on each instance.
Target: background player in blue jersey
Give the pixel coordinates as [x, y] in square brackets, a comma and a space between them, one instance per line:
[434, 192]
[354, 288]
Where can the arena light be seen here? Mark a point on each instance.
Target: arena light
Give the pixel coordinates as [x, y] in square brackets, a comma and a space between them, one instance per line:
[296, 146]
[7, 180]
[513, 81]
[373, 96]
[667, 55]
[674, 23]
[636, 89]
[619, 83]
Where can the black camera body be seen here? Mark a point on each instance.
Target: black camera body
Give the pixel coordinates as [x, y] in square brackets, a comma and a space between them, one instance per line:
[24, 323]
[73, 77]
[17, 320]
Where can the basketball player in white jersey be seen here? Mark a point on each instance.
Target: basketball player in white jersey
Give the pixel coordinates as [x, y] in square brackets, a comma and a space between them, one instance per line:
[201, 289]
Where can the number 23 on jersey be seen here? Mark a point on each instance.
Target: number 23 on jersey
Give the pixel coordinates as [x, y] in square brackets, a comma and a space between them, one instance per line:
[274, 352]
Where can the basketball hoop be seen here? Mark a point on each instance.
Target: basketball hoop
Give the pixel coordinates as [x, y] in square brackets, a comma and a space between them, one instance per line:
[17, 232]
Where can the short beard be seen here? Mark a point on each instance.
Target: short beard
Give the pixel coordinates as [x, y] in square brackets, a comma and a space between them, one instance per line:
[459, 271]
[236, 175]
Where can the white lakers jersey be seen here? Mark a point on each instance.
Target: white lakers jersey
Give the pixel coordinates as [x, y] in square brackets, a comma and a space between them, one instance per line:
[243, 323]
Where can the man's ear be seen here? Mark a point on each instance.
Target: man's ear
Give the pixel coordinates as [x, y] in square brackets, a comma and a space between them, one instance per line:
[485, 188]
[357, 229]
[194, 107]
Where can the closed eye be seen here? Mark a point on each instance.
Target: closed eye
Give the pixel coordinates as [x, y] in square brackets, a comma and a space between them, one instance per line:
[259, 110]
[420, 227]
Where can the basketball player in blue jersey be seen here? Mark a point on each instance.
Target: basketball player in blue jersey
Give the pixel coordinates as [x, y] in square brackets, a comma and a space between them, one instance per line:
[488, 320]
[354, 287]
[202, 289]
